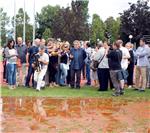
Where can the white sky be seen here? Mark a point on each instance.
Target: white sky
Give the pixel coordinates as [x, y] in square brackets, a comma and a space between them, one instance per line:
[104, 8]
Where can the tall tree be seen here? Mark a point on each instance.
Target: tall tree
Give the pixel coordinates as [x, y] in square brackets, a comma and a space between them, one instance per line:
[68, 23]
[47, 34]
[80, 24]
[113, 27]
[19, 25]
[45, 19]
[4, 22]
[97, 28]
[135, 20]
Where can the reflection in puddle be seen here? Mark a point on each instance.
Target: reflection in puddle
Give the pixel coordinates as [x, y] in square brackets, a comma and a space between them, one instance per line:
[74, 115]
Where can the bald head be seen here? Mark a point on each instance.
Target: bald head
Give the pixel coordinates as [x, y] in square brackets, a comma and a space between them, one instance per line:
[37, 42]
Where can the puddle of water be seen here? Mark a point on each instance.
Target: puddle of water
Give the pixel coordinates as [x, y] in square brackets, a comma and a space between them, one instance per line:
[80, 115]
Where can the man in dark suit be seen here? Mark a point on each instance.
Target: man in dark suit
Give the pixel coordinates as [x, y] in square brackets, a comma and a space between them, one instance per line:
[77, 56]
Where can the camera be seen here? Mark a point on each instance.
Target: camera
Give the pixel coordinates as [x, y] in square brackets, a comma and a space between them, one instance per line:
[36, 64]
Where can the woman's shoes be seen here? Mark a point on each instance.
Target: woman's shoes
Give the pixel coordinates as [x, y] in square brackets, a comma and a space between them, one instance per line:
[12, 87]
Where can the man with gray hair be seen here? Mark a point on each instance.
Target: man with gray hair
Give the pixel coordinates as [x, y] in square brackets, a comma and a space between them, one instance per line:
[21, 69]
[43, 60]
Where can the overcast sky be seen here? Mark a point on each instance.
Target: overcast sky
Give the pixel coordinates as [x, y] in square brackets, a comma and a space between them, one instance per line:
[104, 8]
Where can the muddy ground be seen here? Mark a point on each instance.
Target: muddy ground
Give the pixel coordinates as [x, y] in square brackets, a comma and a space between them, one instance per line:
[96, 115]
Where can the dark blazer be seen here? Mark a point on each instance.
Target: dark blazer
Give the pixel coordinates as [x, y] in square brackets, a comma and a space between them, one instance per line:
[22, 51]
[82, 56]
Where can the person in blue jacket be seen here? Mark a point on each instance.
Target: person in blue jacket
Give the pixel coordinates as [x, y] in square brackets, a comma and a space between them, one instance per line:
[77, 56]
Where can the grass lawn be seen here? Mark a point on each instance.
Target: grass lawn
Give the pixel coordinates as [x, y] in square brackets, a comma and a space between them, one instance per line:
[66, 92]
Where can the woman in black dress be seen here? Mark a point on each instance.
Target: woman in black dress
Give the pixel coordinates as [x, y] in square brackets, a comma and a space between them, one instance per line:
[130, 68]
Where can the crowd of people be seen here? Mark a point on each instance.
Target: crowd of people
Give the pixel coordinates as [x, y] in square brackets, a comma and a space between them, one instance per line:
[54, 63]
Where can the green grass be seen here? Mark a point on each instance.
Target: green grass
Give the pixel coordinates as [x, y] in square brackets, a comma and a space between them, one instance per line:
[66, 92]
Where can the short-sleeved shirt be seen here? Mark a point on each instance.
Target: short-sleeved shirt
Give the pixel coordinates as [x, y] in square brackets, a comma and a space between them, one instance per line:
[124, 62]
[44, 58]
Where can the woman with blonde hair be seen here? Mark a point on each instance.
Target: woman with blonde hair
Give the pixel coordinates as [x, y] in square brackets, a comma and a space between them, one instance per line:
[64, 63]
[130, 68]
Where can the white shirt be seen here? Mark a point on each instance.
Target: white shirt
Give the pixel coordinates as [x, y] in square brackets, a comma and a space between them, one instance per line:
[99, 55]
[126, 54]
[44, 58]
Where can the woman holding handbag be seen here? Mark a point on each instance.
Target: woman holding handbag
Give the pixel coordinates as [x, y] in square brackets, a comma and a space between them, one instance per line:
[103, 69]
[11, 56]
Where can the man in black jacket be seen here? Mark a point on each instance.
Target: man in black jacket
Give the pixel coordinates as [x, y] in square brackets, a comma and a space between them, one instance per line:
[114, 61]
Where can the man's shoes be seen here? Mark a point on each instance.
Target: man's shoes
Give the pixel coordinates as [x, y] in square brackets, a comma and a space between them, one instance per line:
[43, 88]
[72, 87]
[37, 90]
[116, 94]
[141, 90]
[27, 86]
[88, 84]
[62, 85]
[135, 89]
[122, 93]
[77, 87]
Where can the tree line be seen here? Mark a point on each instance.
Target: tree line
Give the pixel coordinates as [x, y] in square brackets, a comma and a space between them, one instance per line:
[72, 23]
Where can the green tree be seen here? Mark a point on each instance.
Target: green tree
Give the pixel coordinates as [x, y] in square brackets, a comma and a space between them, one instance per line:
[135, 20]
[4, 22]
[113, 27]
[47, 34]
[45, 19]
[19, 25]
[68, 23]
[97, 28]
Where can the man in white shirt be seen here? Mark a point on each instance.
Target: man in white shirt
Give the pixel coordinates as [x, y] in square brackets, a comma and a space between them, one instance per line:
[88, 51]
[43, 64]
[124, 63]
[125, 56]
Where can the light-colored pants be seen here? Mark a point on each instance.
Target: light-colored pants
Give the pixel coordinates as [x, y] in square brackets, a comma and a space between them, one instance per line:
[21, 75]
[38, 77]
[115, 80]
[148, 77]
[141, 77]
[1, 73]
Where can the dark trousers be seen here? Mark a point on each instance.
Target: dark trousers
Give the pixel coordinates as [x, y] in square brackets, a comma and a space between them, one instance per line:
[103, 76]
[75, 74]
[83, 71]
[130, 76]
[30, 73]
[69, 77]
[52, 72]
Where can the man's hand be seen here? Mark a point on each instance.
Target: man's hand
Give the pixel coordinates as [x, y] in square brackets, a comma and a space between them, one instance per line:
[40, 60]
[71, 56]
[27, 64]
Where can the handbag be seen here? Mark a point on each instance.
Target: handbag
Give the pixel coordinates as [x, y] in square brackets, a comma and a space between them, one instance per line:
[95, 63]
[18, 62]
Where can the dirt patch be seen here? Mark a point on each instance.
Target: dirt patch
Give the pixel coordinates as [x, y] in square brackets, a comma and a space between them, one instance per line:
[46, 115]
